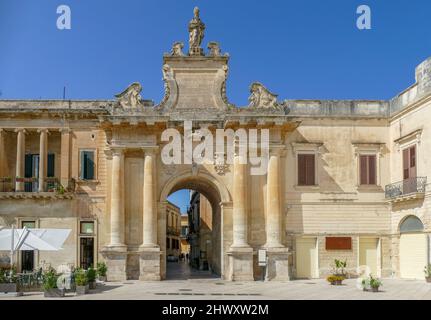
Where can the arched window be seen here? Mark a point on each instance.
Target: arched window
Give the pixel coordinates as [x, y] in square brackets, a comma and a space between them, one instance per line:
[411, 224]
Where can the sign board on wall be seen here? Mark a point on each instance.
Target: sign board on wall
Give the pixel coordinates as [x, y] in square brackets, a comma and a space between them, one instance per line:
[261, 257]
[338, 243]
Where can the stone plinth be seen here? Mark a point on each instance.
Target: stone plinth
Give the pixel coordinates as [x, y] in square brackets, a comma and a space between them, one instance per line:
[278, 264]
[116, 261]
[149, 264]
[241, 264]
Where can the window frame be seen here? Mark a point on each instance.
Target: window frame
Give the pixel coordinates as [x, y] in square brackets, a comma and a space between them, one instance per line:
[80, 168]
[311, 149]
[368, 149]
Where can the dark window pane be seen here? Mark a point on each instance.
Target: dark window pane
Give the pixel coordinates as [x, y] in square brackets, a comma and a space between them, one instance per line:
[87, 253]
[51, 166]
[87, 165]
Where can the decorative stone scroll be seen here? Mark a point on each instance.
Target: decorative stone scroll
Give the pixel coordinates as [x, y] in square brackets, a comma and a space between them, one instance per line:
[261, 97]
[130, 98]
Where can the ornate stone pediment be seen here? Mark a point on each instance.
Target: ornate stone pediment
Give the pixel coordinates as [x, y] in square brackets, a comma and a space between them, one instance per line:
[261, 97]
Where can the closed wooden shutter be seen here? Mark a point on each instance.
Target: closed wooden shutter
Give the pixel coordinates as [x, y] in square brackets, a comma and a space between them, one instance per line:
[306, 170]
[406, 170]
[412, 164]
[363, 170]
[372, 170]
[301, 170]
[368, 170]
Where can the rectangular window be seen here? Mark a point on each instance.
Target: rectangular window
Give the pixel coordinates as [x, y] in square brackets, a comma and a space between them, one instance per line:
[87, 165]
[368, 172]
[409, 163]
[87, 227]
[306, 169]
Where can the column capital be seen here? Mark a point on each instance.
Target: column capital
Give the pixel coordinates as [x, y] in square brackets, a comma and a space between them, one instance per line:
[65, 130]
[277, 150]
[23, 130]
[116, 151]
[151, 150]
[43, 130]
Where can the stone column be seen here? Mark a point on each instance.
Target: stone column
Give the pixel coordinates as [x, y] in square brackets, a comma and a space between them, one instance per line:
[273, 220]
[65, 158]
[116, 252]
[149, 214]
[43, 158]
[150, 251]
[239, 205]
[117, 216]
[20, 158]
[277, 254]
[3, 159]
[240, 254]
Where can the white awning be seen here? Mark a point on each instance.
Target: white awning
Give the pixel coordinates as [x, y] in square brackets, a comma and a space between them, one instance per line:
[33, 239]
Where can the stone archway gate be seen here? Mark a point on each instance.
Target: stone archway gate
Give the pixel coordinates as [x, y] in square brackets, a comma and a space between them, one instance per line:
[251, 207]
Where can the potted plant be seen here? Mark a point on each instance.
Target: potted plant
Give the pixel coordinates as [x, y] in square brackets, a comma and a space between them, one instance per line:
[101, 271]
[335, 280]
[428, 273]
[91, 276]
[81, 281]
[338, 273]
[371, 284]
[8, 281]
[50, 289]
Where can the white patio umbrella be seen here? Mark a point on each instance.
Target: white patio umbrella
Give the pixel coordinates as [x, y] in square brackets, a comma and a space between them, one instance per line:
[32, 239]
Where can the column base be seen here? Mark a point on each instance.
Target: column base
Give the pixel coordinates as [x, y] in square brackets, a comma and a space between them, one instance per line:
[240, 264]
[116, 261]
[277, 268]
[149, 264]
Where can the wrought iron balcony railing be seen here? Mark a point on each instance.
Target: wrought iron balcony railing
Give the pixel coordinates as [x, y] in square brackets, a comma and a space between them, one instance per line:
[407, 187]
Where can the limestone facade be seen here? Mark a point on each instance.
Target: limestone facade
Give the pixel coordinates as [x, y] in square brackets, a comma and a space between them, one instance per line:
[65, 162]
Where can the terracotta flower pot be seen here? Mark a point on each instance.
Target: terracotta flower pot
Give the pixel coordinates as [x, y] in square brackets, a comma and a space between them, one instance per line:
[375, 289]
[428, 279]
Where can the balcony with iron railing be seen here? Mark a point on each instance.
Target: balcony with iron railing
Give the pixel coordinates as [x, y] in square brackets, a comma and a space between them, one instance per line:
[409, 189]
[30, 188]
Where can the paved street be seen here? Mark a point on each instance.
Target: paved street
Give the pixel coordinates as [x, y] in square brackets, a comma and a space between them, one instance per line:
[200, 285]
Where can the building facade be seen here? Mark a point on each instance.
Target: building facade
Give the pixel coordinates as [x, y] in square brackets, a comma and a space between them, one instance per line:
[173, 231]
[345, 179]
[185, 246]
[200, 234]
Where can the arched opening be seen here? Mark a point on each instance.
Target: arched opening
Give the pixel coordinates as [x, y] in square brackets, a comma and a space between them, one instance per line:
[411, 224]
[204, 229]
[413, 248]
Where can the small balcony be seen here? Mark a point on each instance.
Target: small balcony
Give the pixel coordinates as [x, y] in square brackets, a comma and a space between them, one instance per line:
[409, 189]
[30, 188]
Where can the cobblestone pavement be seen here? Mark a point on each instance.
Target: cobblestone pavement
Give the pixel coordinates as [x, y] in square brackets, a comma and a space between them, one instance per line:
[202, 286]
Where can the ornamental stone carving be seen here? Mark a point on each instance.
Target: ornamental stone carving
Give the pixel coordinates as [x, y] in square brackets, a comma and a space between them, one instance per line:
[261, 97]
[177, 49]
[196, 34]
[130, 98]
[214, 49]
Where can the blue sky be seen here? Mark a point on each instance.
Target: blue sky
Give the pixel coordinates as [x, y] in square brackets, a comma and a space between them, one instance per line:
[306, 49]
